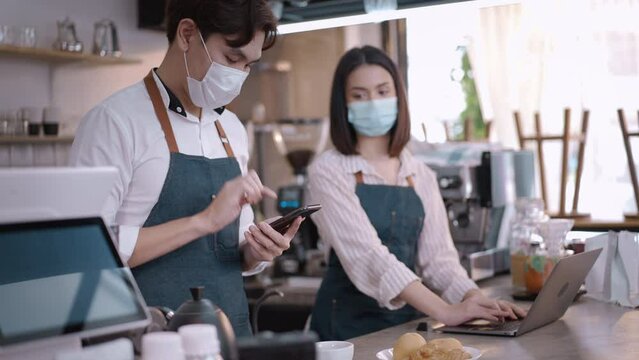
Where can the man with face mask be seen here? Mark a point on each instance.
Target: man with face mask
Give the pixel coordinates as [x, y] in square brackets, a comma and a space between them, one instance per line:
[182, 200]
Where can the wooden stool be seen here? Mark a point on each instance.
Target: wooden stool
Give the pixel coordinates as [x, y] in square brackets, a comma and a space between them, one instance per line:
[469, 130]
[565, 139]
[631, 162]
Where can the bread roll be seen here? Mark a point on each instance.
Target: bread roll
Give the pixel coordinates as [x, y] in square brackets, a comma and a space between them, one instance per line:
[432, 352]
[406, 345]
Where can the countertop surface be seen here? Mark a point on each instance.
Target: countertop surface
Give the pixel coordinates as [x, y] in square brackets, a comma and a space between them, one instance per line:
[589, 330]
[297, 290]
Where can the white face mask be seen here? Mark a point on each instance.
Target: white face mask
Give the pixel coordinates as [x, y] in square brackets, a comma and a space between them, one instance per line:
[218, 88]
[373, 117]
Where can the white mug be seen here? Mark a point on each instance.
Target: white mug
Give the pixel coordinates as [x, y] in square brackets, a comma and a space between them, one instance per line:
[334, 350]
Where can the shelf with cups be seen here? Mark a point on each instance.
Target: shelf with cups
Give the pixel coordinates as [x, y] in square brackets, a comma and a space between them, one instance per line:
[35, 139]
[57, 56]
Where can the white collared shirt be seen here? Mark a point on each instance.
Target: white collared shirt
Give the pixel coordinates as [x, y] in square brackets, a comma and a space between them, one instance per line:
[345, 227]
[123, 131]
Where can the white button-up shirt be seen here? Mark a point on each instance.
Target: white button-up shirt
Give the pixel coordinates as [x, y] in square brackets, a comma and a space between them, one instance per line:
[345, 227]
[123, 131]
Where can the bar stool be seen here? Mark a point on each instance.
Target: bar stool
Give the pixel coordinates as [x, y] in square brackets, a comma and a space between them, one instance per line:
[565, 138]
[631, 162]
[469, 130]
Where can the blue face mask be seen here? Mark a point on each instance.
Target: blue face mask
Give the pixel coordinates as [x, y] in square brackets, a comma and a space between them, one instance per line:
[374, 117]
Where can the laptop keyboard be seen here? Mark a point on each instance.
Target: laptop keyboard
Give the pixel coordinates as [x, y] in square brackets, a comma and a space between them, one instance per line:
[505, 326]
[508, 325]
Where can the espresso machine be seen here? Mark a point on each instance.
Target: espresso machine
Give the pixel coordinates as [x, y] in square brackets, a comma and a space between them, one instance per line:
[479, 184]
[468, 219]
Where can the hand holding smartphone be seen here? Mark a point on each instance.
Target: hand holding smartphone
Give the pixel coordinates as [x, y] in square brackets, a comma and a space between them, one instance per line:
[282, 224]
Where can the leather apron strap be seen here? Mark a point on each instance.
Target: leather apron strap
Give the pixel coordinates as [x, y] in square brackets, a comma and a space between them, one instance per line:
[163, 118]
[160, 111]
[224, 138]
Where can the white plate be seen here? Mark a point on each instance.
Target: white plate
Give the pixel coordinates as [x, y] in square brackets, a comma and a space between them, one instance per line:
[387, 354]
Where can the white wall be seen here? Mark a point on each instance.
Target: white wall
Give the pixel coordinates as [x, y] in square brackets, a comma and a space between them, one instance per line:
[364, 34]
[74, 87]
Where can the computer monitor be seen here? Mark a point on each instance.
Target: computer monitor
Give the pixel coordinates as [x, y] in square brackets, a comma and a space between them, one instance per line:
[61, 281]
[30, 194]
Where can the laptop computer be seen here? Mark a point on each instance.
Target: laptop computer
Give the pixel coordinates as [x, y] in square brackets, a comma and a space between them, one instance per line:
[551, 304]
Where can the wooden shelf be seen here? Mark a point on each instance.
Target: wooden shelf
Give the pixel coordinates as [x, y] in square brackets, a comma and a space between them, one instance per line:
[42, 139]
[56, 56]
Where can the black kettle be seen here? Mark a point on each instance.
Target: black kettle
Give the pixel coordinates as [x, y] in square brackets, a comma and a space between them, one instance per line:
[203, 311]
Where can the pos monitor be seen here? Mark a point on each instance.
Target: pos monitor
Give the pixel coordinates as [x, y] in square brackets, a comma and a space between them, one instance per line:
[61, 281]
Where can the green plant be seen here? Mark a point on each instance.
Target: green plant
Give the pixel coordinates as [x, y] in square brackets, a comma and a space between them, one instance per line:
[472, 112]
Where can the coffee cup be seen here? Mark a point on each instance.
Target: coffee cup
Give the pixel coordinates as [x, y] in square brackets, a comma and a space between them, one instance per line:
[162, 346]
[334, 350]
[51, 120]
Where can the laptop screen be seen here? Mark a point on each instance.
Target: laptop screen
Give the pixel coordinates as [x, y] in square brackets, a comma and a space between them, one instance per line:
[60, 277]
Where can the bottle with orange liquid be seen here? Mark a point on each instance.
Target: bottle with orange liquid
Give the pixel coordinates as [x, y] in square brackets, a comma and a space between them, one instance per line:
[538, 267]
[524, 232]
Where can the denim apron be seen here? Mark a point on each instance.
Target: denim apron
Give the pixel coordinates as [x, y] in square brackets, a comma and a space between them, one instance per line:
[342, 311]
[212, 261]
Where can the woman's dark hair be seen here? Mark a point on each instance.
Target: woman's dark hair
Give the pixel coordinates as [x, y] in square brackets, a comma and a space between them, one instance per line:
[242, 18]
[342, 132]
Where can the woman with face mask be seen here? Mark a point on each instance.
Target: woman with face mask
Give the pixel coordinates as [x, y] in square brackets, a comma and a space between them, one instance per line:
[383, 218]
[182, 201]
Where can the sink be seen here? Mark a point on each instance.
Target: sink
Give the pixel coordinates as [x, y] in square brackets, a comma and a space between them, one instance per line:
[288, 313]
[255, 289]
[304, 282]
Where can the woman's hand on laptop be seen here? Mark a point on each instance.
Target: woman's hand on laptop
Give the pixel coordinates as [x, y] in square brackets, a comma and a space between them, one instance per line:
[514, 311]
[471, 308]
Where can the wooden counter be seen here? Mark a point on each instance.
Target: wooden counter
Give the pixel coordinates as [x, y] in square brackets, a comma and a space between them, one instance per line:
[605, 225]
[589, 330]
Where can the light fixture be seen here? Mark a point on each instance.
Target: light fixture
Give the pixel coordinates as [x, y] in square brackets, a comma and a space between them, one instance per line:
[371, 6]
[298, 3]
[277, 7]
[379, 15]
[340, 21]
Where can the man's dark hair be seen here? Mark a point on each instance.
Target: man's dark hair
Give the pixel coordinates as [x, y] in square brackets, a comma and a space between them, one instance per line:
[240, 18]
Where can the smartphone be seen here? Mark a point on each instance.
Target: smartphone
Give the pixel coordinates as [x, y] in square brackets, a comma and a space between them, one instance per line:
[282, 224]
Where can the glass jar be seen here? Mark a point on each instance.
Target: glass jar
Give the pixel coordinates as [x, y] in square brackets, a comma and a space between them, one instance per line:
[554, 233]
[524, 232]
[4, 124]
[538, 267]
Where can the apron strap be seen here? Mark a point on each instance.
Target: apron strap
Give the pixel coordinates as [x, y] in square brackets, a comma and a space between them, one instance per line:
[224, 138]
[163, 118]
[359, 178]
[160, 111]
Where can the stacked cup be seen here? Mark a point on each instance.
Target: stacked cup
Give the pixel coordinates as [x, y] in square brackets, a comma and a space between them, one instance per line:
[191, 342]
[162, 346]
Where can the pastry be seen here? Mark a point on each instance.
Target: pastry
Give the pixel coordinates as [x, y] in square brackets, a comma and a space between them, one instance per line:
[406, 345]
[433, 352]
[447, 344]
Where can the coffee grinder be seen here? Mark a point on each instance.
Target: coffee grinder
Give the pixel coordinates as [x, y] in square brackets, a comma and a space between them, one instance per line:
[298, 140]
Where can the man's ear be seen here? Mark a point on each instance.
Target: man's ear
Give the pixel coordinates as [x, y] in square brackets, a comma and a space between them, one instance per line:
[186, 33]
